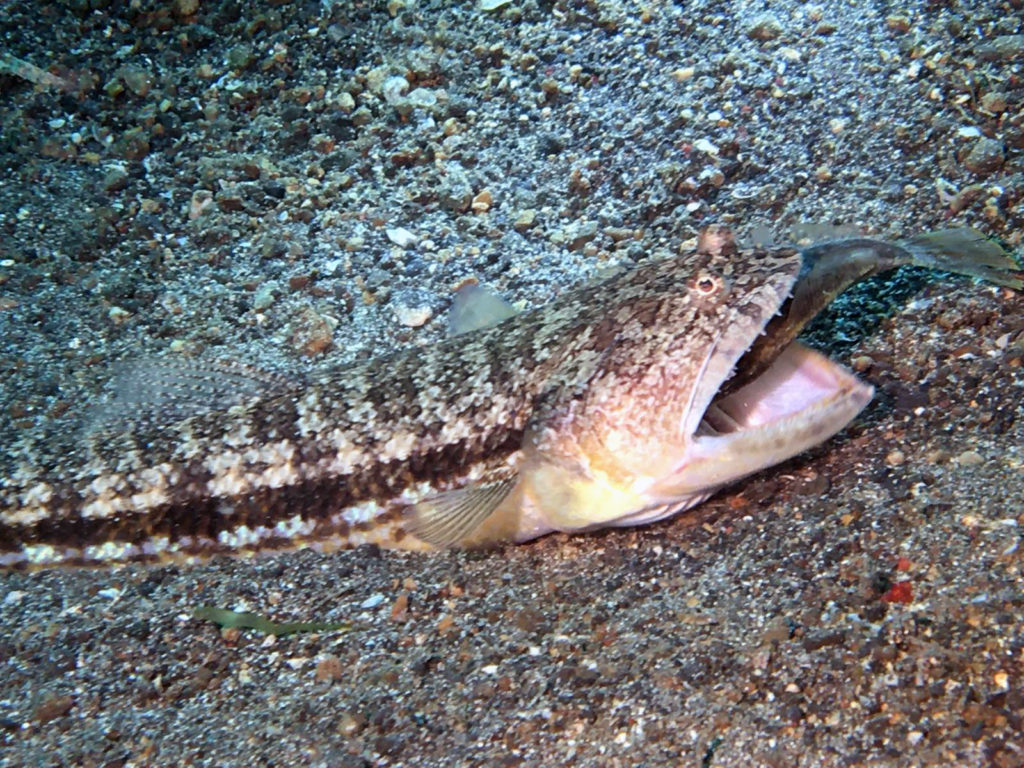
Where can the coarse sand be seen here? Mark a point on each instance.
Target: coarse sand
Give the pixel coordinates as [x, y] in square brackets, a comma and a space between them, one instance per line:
[304, 184]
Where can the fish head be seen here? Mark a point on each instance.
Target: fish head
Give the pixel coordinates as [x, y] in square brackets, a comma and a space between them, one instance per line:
[648, 431]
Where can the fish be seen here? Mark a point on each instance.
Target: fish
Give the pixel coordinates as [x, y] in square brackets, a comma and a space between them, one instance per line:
[617, 404]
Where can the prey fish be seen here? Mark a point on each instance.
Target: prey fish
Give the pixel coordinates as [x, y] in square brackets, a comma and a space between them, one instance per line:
[617, 404]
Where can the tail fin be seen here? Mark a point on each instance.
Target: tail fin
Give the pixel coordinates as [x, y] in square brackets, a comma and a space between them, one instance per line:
[965, 251]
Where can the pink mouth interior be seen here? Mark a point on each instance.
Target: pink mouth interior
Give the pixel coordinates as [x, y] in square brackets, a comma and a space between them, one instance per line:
[799, 380]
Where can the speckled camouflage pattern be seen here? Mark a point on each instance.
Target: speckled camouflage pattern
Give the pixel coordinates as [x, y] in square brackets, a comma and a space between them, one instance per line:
[335, 460]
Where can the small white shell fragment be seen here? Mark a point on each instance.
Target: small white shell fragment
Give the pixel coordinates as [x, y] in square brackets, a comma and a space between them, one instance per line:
[703, 145]
[423, 98]
[413, 317]
[394, 88]
[492, 5]
[402, 237]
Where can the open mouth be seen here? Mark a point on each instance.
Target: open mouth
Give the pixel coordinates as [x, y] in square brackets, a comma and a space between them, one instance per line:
[799, 383]
[801, 400]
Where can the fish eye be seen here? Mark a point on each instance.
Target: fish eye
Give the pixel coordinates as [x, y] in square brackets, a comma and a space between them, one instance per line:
[704, 285]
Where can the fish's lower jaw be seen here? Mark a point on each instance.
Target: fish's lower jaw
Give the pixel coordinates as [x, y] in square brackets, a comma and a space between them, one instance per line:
[800, 404]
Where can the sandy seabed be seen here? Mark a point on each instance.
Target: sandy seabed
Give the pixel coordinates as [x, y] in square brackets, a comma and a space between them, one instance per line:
[305, 184]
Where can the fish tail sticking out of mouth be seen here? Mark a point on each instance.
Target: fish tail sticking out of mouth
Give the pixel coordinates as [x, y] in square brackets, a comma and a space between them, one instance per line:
[617, 404]
[830, 267]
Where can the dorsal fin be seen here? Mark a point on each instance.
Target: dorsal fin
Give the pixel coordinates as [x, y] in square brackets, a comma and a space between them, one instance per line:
[449, 517]
[166, 390]
[475, 307]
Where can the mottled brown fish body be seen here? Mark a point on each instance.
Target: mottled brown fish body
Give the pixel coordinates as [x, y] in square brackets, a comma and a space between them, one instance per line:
[336, 461]
[601, 408]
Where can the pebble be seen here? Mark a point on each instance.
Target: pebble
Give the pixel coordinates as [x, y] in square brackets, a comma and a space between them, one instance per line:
[994, 101]
[764, 28]
[118, 315]
[898, 23]
[133, 145]
[394, 88]
[202, 201]
[115, 180]
[229, 201]
[455, 193]
[402, 237]
[581, 234]
[400, 608]
[240, 56]
[350, 724]
[113, 88]
[862, 363]
[138, 80]
[264, 296]
[422, 98]
[985, 156]
[970, 459]
[482, 202]
[1002, 48]
[362, 116]
[52, 708]
[345, 102]
[704, 145]
[966, 197]
[413, 316]
[329, 668]
[618, 234]
[895, 458]
[311, 333]
[375, 79]
[183, 8]
[524, 220]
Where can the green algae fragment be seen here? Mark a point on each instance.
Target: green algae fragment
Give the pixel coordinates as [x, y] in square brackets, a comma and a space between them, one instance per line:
[239, 620]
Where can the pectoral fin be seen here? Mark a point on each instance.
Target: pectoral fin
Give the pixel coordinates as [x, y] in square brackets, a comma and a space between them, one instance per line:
[476, 307]
[451, 516]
